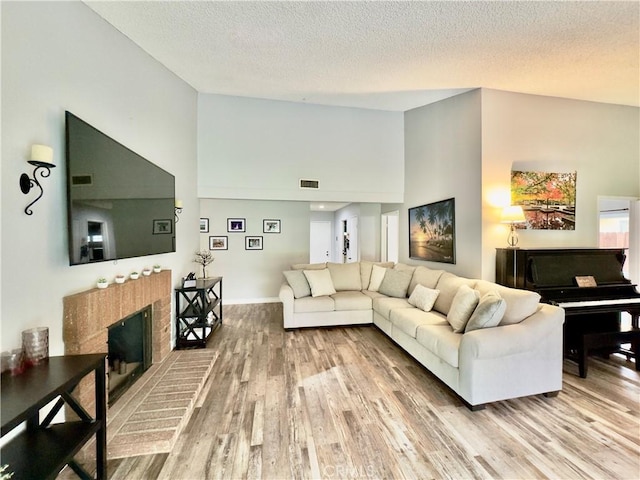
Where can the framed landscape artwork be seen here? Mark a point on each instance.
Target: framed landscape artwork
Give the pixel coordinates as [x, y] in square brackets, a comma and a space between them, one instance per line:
[218, 243]
[432, 233]
[547, 199]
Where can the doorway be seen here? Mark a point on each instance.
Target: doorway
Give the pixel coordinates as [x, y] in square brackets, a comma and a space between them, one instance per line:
[349, 236]
[614, 228]
[320, 244]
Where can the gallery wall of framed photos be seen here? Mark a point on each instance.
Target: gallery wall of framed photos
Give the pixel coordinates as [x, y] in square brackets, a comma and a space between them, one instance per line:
[239, 225]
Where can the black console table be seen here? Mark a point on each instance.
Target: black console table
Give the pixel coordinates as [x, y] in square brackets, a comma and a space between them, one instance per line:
[43, 449]
[198, 312]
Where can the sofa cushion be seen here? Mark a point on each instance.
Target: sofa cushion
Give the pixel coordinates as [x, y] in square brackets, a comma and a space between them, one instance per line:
[377, 275]
[298, 283]
[366, 268]
[345, 276]
[488, 313]
[351, 300]
[520, 303]
[308, 266]
[462, 307]
[383, 305]
[395, 283]
[313, 304]
[448, 284]
[320, 282]
[424, 276]
[409, 319]
[423, 297]
[441, 341]
[373, 295]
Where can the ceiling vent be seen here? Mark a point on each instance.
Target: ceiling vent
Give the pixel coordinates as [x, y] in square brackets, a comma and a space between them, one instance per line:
[314, 184]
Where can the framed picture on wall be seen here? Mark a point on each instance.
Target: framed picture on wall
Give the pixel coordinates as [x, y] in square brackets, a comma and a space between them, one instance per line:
[253, 243]
[236, 225]
[162, 227]
[204, 225]
[270, 226]
[432, 232]
[218, 243]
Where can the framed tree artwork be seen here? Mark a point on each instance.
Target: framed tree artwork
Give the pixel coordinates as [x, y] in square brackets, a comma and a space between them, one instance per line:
[548, 200]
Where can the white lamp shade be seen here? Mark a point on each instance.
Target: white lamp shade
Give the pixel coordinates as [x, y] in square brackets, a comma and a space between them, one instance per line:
[512, 214]
[42, 153]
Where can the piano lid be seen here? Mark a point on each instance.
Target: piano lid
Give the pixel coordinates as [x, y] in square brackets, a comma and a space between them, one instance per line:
[560, 270]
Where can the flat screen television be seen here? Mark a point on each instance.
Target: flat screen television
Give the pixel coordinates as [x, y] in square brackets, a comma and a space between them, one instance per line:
[119, 204]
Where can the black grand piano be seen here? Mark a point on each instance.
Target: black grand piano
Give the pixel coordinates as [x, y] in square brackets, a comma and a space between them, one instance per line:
[592, 312]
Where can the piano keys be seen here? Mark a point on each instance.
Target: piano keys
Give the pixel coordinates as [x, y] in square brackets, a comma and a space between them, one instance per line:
[592, 314]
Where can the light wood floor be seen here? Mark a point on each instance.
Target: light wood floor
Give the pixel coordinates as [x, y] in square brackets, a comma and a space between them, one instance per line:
[348, 403]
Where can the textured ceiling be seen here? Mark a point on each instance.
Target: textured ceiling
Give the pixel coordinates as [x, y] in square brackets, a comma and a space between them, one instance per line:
[390, 55]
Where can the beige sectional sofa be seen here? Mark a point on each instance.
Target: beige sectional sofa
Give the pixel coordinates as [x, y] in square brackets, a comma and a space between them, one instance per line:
[485, 341]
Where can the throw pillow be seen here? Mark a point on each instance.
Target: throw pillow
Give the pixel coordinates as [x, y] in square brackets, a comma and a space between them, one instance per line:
[320, 282]
[377, 275]
[298, 283]
[448, 284]
[462, 307]
[423, 297]
[395, 283]
[488, 313]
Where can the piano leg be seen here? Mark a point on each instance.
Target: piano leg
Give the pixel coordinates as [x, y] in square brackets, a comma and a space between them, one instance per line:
[583, 354]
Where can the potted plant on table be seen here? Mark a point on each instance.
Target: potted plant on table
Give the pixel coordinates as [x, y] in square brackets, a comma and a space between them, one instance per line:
[157, 268]
[134, 275]
[102, 283]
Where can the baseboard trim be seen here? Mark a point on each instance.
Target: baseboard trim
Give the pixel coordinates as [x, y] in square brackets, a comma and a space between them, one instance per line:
[246, 301]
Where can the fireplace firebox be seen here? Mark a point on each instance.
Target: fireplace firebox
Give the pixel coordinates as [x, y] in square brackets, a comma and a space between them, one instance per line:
[129, 351]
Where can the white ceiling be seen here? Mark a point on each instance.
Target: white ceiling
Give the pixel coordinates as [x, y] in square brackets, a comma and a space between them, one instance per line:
[390, 55]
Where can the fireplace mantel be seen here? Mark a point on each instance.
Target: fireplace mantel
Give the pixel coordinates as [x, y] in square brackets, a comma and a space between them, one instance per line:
[88, 315]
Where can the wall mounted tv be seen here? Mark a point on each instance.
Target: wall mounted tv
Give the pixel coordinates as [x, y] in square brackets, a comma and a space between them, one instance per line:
[119, 204]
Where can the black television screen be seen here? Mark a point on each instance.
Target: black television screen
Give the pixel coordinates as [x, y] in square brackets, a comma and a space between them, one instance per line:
[119, 204]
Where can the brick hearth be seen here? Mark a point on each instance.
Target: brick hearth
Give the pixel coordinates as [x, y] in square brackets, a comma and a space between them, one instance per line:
[88, 314]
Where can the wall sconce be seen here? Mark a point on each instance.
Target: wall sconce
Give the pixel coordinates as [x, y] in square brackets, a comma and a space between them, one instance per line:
[178, 209]
[42, 159]
[512, 214]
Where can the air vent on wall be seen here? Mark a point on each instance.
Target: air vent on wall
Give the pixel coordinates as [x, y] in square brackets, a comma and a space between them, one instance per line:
[78, 180]
[309, 184]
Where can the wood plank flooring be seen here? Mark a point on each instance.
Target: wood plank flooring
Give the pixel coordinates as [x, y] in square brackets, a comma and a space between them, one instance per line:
[349, 403]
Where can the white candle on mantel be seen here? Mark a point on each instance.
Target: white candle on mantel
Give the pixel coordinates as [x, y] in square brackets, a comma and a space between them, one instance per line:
[42, 153]
[178, 203]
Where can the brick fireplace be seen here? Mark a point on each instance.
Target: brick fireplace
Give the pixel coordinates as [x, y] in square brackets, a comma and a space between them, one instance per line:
[89, 314]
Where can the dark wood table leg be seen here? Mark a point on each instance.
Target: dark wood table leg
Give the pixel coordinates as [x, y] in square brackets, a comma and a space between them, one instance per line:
[101, 416]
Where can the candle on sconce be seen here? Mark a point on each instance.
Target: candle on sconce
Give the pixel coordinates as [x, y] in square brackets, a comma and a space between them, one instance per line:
[42, 153]
[178, 203]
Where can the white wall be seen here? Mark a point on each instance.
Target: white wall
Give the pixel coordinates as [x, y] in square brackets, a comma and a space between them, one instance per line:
[252, 276]
[260, 149]
[442, 160]
[528, 132]
[59, 56]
